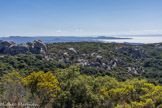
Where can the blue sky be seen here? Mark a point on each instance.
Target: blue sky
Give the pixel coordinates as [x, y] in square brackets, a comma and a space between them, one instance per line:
[80, 17]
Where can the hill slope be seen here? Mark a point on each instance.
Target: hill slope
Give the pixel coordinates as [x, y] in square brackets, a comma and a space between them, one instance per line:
[118, 60]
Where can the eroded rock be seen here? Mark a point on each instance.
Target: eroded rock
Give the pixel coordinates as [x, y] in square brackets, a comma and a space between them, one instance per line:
[73, 51]
[9, 47]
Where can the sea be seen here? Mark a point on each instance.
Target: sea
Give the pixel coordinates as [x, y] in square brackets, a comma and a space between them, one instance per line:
[135, 40]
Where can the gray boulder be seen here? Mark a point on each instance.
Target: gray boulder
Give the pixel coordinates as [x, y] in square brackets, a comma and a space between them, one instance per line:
[9, 47]
[5, 44]
[158, 46]
[135, 52]
[16, 49]
[98, 57]
[38, 47]
[73, 51]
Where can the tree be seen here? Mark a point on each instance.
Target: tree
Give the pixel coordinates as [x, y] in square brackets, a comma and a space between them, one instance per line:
[137, 93]
[13, 89]
[44, 85]
[76, 89]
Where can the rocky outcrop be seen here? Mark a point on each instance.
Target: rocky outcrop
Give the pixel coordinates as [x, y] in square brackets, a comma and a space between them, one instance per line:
[98, 58]
[5, 44]
[158, 46]
[135, 52]
[9, 47]
[16, 49]
[73, 51]
[37, 47]
[82, 62]
[135, 70]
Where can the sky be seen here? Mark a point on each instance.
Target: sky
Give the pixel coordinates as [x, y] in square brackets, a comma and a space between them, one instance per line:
[80, 17]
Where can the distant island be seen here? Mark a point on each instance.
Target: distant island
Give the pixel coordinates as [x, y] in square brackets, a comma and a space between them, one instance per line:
[132, 40]
[56, 39]
[105, 37]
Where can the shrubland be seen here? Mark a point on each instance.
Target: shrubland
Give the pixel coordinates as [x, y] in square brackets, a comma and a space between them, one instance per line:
[84, 75]
[68, 88]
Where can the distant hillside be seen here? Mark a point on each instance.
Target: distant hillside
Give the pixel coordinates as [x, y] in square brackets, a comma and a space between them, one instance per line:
[118, 60]
[56, 39]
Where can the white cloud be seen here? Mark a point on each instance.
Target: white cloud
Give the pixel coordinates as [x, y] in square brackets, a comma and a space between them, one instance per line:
[78, 30]
[58, 31]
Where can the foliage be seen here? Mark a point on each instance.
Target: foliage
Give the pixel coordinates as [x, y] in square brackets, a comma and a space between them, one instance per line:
[145, 59]
[67, 88]
[137, 93]
[44, 85]
[12, 88]
[76, 89]
[49, 83]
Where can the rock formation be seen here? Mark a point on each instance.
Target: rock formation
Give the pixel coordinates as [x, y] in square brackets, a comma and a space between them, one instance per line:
[9, 47]
[135, 52]
[158, 46]
[73, 51]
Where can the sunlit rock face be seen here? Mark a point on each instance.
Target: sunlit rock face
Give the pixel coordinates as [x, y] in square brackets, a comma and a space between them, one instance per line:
[9, 47]
[73, 51]
[5, 44]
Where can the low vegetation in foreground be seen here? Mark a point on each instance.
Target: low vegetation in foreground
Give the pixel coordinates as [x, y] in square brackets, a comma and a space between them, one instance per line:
[67, 88]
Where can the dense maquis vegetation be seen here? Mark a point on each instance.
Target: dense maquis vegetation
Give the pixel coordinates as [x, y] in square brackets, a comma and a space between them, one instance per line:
[67, 88]
[85, 75]
[117, 60]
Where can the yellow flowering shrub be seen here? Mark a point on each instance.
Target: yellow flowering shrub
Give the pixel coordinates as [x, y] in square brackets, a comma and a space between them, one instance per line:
[42, 82]
[137, 93]
[13, 89]
[148, 104]
[44, 85]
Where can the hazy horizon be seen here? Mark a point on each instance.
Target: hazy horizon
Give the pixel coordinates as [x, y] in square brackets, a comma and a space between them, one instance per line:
[135, 40]
[146, 35]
